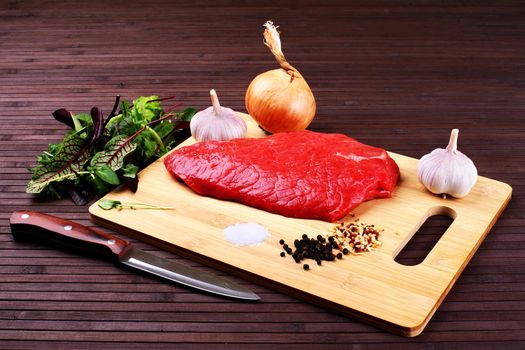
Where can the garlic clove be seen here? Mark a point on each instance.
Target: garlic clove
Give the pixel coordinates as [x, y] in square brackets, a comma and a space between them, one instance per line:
[217, 122]
[447, 171]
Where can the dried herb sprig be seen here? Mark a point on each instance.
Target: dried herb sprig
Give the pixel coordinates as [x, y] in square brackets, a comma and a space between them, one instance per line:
[108, 204]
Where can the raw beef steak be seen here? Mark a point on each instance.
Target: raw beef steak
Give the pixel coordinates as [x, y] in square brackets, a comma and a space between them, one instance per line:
[300, 174]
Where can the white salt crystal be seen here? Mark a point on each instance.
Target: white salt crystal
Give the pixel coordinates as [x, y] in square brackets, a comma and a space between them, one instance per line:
[245, 233]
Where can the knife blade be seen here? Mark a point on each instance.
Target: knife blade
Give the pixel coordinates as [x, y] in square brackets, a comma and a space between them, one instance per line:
[27, 224]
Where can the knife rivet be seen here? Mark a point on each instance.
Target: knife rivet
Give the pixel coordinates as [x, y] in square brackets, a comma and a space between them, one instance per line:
[68, 227]
[25, 216]
[111, 241]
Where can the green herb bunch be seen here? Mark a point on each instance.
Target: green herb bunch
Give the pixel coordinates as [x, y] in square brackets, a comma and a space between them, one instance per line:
[96, 155]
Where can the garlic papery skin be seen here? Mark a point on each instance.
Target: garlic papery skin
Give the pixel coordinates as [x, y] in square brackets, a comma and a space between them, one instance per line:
[447, 171]
[217, 123]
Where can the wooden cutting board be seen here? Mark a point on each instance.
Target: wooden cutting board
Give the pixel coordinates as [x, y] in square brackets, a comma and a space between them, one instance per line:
[371, 287]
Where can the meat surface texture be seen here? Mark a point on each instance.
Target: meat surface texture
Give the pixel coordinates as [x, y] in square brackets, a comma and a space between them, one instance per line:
[301, 174]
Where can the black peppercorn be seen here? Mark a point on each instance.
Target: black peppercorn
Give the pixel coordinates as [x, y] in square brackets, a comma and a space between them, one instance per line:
[282, 254]
[281, 242]
[339, 256]
[345, 251]
[306, 267]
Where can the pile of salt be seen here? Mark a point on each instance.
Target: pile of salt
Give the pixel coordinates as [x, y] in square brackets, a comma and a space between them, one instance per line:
[245, 233]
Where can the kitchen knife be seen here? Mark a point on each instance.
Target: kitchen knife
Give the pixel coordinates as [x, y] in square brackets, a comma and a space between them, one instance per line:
[32, 224]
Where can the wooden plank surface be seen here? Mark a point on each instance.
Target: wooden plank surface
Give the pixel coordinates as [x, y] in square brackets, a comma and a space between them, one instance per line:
[398, 75]
[352, 286]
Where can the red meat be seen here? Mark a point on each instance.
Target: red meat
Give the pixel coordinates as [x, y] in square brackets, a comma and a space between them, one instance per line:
[301, 174]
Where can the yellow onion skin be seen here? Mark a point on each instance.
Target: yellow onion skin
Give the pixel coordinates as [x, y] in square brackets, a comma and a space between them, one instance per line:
[280, 102]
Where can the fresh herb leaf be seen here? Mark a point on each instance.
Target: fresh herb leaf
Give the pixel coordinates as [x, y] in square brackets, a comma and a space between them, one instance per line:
[69, 159]
[76, 122]
[132, 183]
[114, 153]
[108, 204]
[125, 107]
[113, 112]
[99, 186]
[164, 129]
[85, 119]
[64, 116]
[95, 156]
[60, 163]
[146, 109]
[150, 143]
[130, 170]
[187, 114]
[107, 174]
[98, 123]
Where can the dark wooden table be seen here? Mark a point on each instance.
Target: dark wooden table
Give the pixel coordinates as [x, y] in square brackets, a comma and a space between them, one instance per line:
[395, 74]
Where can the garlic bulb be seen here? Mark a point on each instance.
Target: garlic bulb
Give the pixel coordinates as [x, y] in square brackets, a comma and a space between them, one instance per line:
[447, 171]
[217, 123]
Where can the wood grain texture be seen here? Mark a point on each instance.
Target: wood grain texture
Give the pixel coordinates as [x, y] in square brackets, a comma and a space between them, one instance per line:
[395, 74]
[409, 294]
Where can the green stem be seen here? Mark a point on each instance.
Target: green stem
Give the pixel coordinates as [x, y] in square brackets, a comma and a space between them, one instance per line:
[156, 137]
[142, 206]
[114, 120]
[108, 204]
[60, 178]
[76, 123]
[132, 205]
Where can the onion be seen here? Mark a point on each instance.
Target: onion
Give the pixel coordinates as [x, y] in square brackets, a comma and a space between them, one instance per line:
[280, 99]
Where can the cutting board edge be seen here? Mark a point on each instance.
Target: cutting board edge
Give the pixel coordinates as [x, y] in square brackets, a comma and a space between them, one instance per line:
[403, 330]
[406, 331]
[458, 273]
[409, 328]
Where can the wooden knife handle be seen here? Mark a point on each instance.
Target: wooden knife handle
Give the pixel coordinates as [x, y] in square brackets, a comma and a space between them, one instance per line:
[33, 225]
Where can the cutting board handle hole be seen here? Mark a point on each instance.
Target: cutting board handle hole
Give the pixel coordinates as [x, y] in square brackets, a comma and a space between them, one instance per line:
[425, 236]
